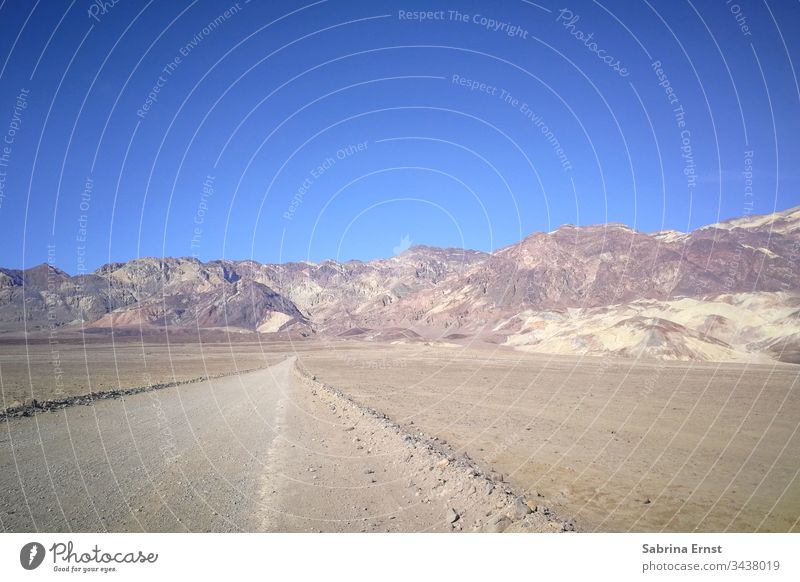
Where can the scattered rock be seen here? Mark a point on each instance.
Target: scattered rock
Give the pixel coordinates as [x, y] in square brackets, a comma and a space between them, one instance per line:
[518, 509]
[459, 477]
[498, 525]
[35, 406]
[546, 511]
[452, 516]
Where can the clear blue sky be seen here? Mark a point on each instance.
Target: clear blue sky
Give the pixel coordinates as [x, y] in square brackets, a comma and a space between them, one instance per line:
[224, 163]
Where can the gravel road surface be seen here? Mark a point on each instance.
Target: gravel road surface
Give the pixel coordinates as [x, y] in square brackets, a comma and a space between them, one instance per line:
[259, 451]
[186, 458]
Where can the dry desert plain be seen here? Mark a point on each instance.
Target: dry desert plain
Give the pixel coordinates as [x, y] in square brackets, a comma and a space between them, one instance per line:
[41, 369]
[613, 444]
[617, 444]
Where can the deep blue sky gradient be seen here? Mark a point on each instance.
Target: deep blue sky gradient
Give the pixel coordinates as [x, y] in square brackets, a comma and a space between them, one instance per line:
[279, 87]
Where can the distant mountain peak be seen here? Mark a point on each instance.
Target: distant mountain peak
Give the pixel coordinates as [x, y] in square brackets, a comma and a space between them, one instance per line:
[784, 221]
[453, 292]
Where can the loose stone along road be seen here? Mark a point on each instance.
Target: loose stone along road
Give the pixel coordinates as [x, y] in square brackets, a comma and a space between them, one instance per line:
[270, 450]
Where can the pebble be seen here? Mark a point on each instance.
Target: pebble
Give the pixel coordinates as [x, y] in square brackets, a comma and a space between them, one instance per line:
[498, 525]
[518, 509]
[452, 516]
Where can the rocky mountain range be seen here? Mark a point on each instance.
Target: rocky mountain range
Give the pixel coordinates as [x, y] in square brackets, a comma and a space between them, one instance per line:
[729, 290]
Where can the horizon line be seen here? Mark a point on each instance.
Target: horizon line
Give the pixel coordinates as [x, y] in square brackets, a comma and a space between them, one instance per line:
[417, 246]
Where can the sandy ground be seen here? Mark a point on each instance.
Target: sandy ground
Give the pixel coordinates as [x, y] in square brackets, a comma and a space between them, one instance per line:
[614, 444]
[619, 445]
[270, 450]
[70, 367]
[186, 458]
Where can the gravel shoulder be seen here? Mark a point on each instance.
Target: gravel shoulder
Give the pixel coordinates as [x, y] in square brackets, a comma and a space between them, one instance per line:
[352, 469]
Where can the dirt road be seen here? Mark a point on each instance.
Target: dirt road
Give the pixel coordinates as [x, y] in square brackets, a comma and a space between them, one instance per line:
[262, 451]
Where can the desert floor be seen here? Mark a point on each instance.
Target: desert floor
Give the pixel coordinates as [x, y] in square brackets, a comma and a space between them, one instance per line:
[616, 445]
[619, 445]
[70, 366]
[269, 450]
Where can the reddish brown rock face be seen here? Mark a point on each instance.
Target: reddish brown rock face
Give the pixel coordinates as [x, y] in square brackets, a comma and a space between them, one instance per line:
[425, 292]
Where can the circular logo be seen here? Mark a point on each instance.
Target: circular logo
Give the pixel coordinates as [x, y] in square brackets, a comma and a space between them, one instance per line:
[31, 555]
